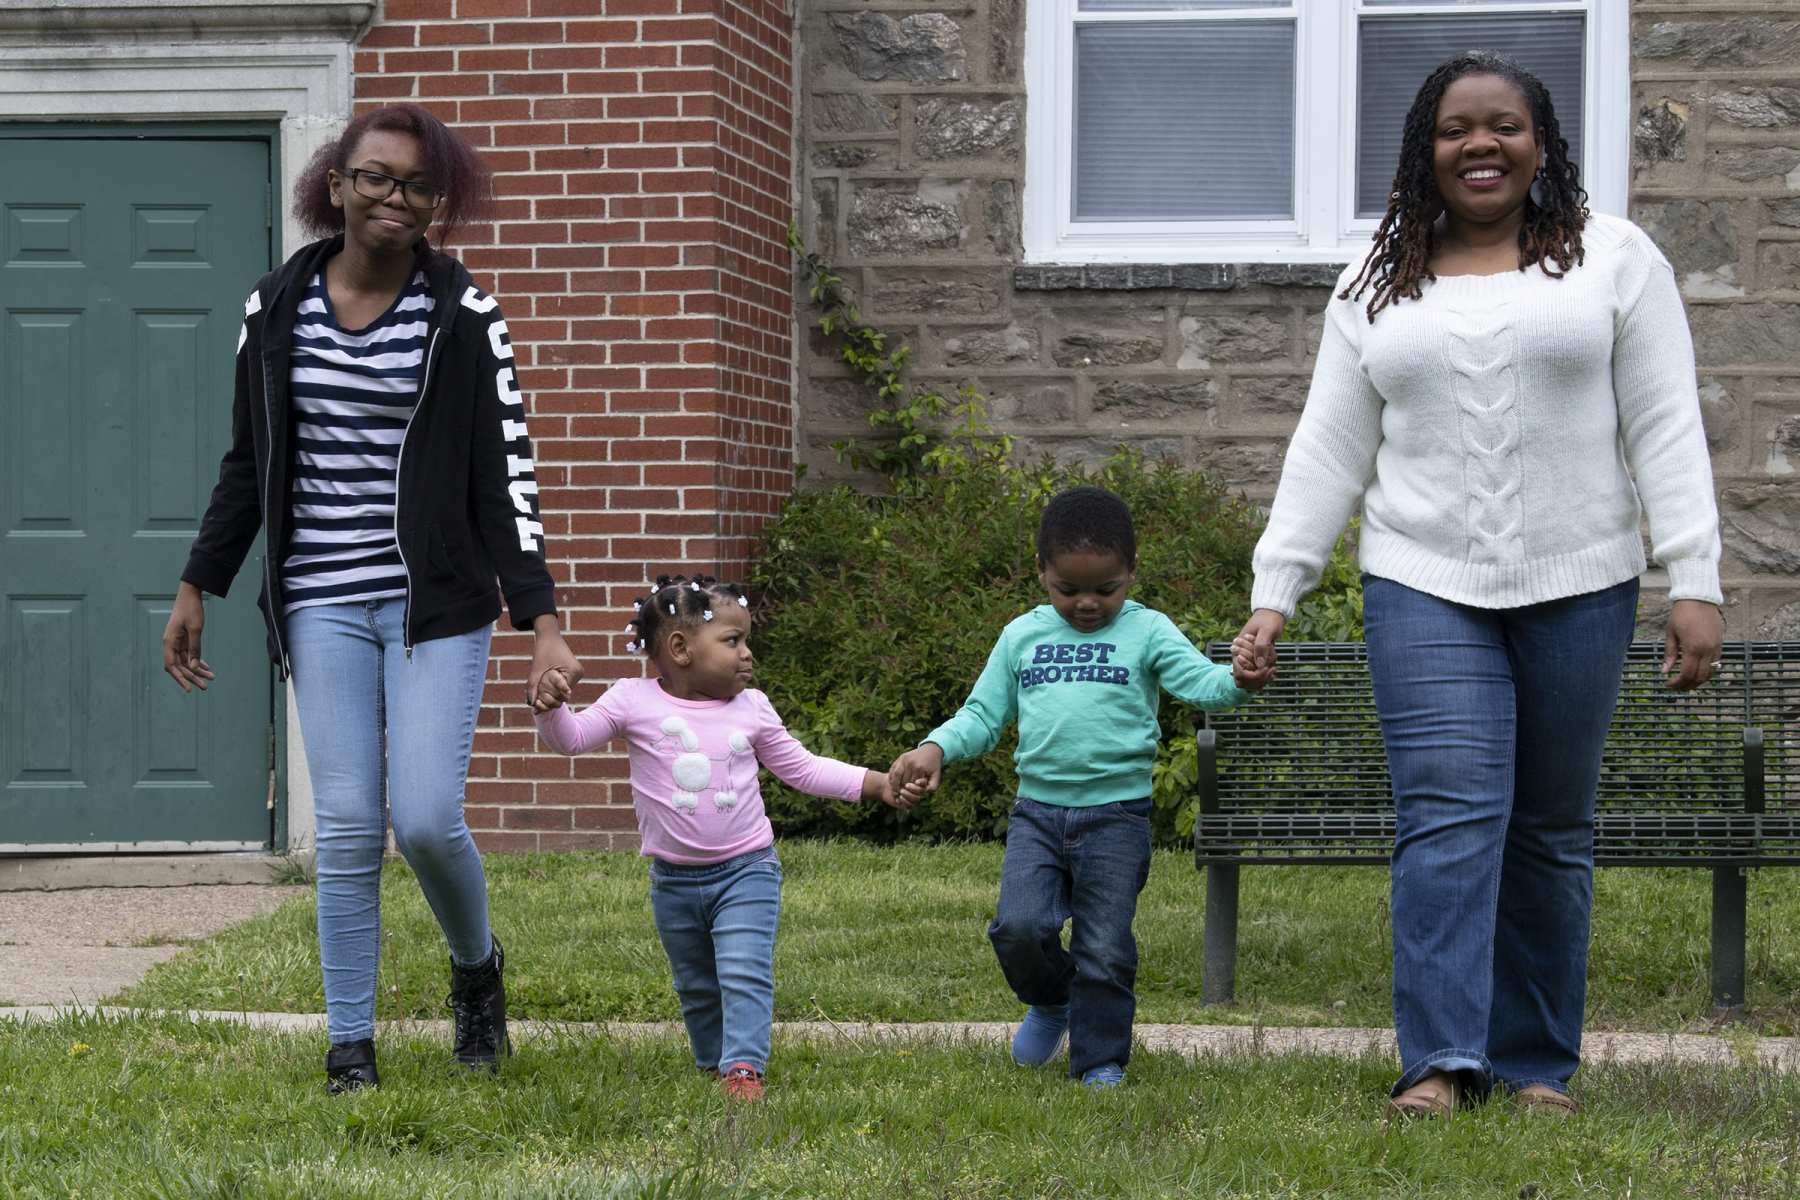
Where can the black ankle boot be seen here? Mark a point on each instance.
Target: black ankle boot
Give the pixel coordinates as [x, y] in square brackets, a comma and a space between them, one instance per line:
[349, 1066]
[478, 998]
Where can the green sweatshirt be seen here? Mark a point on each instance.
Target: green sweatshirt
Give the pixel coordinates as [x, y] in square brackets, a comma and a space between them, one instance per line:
[1085, 702]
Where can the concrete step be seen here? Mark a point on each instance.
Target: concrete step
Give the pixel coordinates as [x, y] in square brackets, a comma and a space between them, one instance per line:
[56, 872]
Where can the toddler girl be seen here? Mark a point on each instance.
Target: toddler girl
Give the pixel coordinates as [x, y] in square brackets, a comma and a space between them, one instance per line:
[696, 733]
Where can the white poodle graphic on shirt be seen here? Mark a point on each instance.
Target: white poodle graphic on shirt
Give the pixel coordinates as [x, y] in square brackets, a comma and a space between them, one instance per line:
[693, 771]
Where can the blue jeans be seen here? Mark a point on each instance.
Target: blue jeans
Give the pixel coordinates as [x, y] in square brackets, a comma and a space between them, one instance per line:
[1085, 865]
[386, 735]
[1494, 721]
[717, 925]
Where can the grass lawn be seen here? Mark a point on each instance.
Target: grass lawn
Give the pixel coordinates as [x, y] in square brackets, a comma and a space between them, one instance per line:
[155, 1107]
[898, 934]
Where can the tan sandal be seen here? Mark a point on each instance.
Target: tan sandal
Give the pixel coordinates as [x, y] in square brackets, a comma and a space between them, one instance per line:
[1433, 1097]
[1539, 1099]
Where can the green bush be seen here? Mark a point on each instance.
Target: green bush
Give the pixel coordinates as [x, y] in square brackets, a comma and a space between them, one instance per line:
[876, 612]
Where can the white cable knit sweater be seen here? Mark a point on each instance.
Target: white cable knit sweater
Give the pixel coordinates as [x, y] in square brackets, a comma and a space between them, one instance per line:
[1492, 429]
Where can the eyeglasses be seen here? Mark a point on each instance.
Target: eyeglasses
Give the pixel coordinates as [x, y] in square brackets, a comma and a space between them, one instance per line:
[377, 186]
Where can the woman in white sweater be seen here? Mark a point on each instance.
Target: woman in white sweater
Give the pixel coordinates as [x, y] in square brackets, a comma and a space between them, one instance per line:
[1490, 383]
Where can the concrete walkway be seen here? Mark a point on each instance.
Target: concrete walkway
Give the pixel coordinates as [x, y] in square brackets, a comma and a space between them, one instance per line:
[1194, 1041]
[63, 951]
[81, 945]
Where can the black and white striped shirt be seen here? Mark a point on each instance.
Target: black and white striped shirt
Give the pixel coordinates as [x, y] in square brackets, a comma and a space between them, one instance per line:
[352, 393]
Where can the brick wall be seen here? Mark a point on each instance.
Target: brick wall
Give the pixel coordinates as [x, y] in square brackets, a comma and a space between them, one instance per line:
[642, 159]
[912, 165]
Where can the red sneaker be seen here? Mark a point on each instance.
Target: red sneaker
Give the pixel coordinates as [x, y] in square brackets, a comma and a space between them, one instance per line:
[743, 1082]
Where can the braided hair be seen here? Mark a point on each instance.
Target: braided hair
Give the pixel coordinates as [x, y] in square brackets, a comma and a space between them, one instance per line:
[678, 602]
[1555, 212]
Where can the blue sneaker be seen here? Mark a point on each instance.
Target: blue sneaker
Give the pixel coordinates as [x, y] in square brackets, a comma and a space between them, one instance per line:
[1041, 1034]
[1106, 1075]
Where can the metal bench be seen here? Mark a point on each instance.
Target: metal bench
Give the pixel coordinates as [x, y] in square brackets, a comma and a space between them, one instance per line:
[1709, 778]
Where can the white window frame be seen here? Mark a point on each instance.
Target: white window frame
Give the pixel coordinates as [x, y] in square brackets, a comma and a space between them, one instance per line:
[1325, 227]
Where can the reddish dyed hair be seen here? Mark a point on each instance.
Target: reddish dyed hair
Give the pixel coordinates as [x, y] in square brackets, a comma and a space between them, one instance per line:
[450, 163]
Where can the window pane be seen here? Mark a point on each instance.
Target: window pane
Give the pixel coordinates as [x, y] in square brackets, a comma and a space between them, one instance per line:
[1186, 5]
[1190, 120]
[1397, 53]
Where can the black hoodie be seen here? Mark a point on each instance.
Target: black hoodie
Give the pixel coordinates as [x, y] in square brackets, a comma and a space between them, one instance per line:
[466, 510]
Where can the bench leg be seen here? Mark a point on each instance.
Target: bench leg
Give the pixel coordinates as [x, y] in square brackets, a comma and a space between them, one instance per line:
[1729, 891]
[1218, 979]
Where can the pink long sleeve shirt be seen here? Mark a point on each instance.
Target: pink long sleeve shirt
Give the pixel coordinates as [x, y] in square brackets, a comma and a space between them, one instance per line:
[693, 766]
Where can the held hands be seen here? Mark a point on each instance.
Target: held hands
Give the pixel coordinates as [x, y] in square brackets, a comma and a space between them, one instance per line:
[1244, 671]
[181, 640]
[1695, 637]
[554, 690]
[916, 774]
[551, 654]
[876, 786]
[1253, 649]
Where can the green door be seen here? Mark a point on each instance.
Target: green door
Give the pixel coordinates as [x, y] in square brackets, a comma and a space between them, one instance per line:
[124, 264]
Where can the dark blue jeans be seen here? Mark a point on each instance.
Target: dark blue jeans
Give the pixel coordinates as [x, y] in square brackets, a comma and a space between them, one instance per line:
[1494, 721]
[717, 925]
[1086, 865]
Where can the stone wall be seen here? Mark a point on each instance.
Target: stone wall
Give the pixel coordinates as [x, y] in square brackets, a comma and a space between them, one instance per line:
[1716, 180]
[911, 168]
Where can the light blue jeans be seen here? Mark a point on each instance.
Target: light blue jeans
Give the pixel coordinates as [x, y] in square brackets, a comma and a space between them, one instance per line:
[717, 925]
[386, 736]
[1495, 720]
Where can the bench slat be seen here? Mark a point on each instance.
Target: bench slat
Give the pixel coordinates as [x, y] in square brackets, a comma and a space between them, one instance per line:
[1620, 839]
[1301, 774]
